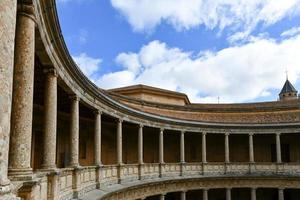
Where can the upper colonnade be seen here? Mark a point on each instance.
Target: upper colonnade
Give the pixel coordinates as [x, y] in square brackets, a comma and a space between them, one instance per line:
[48, 157]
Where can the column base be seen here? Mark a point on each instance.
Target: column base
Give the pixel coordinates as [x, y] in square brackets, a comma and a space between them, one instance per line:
[21, 174]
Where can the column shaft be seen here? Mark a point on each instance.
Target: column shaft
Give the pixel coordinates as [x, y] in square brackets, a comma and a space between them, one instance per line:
[251, 148]
[119, 142]
[205, 194]
[183, 195]
[50, 120]
[162, 197]
[182, 147]
[7, 42]
[204, 147]
[74, 132]
[228, 194]
[22, 104]
[278, 148]
[161, 146]
[97, 159]
[140, 145]
[280, 194]
[253, 193]
[227, 160]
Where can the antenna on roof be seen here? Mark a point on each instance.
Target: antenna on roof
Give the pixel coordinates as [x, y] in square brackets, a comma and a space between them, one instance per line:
[287, 74]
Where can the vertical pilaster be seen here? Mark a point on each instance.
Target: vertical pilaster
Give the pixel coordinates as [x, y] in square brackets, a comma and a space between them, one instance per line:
[253, 193]
[140, 145]
[97, 135]
[251, 148]
[74, 131]
[22, 103]
[278, 148]
[161, 146]
[204, 147]
[7, 43]
[205, 194]
[228, 193]
[182, 147]
[280, 194]
[227, 160]
[50, 120]
[119, 142]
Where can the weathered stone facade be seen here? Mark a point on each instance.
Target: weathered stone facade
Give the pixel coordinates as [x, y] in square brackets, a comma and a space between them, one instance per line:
[61, 137]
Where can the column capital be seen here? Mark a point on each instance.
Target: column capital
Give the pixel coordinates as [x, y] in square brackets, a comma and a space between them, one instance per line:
[141, 125]
[227, 134]
[120, 120]
[251, 134]
[51, 71]
[162, 129]
[74, 97]
[204, 133]
[26, 9]
[277, 133]
[183, 131]
[98, 112]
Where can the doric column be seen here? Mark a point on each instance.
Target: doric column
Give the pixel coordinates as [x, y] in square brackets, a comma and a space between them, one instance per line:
[182, 149]
[7, 42]
[161, 146]
[50, 119]
[74, 131]
[205, 194]
[251, 148]
[97, 135]
[140, 145]
[183, 195]
[22, 104]
[162, 197]
[253, 193]
[119, 142]
[280, 194]
[278, 148]
[204, 147]
[227, 160]
[228, 193]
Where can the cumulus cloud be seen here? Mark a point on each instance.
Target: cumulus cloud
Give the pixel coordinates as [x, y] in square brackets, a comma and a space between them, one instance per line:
[88, 65]
[236, 74]
[245, 15]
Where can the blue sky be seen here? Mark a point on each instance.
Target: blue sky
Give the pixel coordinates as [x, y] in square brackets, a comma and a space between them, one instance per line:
[237, 50]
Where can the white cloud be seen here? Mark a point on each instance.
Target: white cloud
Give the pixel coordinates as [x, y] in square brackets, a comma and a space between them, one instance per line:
[236, 74]
[239, 15]
[291, 32]
[87, 64]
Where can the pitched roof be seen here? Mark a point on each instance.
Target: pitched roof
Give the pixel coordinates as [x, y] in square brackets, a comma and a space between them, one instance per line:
[288, 87]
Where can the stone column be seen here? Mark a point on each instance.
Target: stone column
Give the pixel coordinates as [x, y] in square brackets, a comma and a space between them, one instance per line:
[162, 197]
[278, 148]
[228, 193]
[50, 120]
[74, 131]
[97, 159]
[7, 42]
[280, 194]
[182, 149]
[119, 142]
[22, 103]
[140, 145]
[253, 193]
[161, 146]
[204, 147]
[227, 160]
[183, 195]
[205, 194]
[251, 148]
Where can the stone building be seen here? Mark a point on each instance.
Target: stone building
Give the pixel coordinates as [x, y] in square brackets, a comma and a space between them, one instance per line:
[61, 137]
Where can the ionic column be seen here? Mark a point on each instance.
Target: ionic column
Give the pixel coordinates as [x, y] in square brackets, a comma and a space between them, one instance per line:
[119, 142]
[50, 120]
[98, 160]
[280, 194]
[251, 148]
[183, 195]
[182, 149]
[74, 131]
[204, 147]
[7, 43]
[22, 101]
[278, 148]
[162, 197]
[253, 193]
[140, 144]
[205, 194]
[228, 193]
[161, 146]
[227, 160]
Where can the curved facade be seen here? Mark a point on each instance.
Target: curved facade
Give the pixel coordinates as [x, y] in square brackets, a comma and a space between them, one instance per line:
[61, 137]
